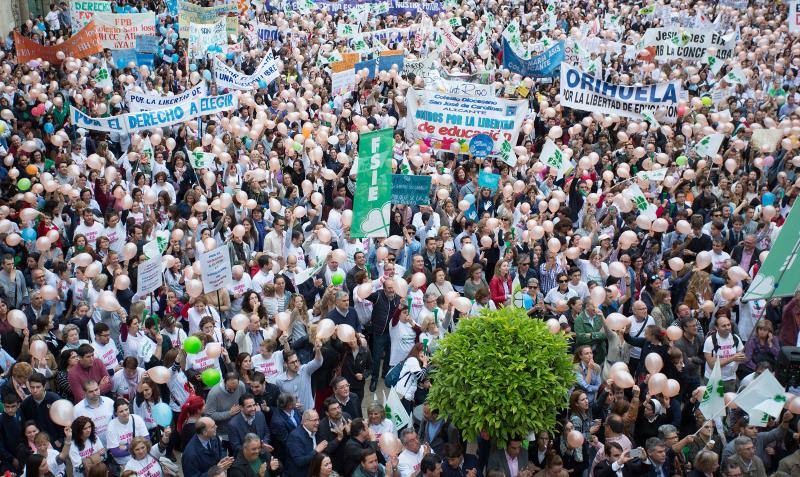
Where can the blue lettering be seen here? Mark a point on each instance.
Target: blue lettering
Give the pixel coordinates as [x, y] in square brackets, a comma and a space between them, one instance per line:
[669, 95]
[572, 78]
[625, 93]
[641, 93]
[586, 82]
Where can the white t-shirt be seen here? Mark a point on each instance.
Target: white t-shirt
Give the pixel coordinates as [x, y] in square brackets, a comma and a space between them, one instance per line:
[718, 260]
[726, 350]
[271, 366]
[77, 456]
[101, 415]
[147, 467]
[402, 337]
[106, 353]
[200, 362]
[139, 346]
[581, 289]
[591, 273]
[116, 237]
[195, 317]
[417, 304]
[176, 338]
[637, 331]
[554, 296]
[408, 462]
[92, 232]
[119, 434]
[120, 385]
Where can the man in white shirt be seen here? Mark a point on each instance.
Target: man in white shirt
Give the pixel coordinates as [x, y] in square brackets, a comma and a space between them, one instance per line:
[274, 241]
[718, 255]
[99, 409]
[640, 320]
[89, 228]
[241, 284]
[263, 276]
[726, 346]
[408, 461]
[105, 349]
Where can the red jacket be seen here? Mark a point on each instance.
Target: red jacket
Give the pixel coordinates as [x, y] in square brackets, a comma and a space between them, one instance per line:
[790, 323]
[498, 291]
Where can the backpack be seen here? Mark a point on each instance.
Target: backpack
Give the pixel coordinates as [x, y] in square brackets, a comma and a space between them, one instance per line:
[393, 376]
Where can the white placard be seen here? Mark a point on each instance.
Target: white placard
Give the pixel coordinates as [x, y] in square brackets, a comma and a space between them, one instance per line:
[148, 276]
[215, 267]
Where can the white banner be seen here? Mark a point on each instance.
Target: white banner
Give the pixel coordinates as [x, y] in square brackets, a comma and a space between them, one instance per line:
[584, 92]
[119, 31]
[148, 276]
[689, 44]
[449, 118]
[794, 16]
[147, 102]
[226, 77]
[207, 39]
[82, 12]
[215, 267]
[132, 122]
[465, 88]
[202, 160]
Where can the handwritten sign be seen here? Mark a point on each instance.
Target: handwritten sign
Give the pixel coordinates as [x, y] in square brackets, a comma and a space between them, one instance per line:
[215, 267]
[148, 277]
[411, 190]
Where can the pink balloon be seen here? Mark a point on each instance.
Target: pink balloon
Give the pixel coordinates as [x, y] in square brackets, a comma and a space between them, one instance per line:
[160, 374]
[62, 412]
[575, 439]
[653, 363]
[240, 322]
[418, 280]
[674, 333]
[345, 333]
[325, 329]
[283, 321]
[656, 384]
[213, 350]
[673, 388]
[38, 349]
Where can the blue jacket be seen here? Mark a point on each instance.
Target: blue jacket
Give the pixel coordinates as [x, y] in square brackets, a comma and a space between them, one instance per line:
[299, 452]
[238, 428]
[281, 426]
[196, 459]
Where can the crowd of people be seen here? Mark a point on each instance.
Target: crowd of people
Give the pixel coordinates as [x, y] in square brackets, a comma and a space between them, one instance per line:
[287, 369]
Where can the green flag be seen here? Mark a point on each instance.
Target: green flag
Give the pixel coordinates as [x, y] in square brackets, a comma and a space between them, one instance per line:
[373, 185]
[714, 398]
[395, 410]
[779, 275]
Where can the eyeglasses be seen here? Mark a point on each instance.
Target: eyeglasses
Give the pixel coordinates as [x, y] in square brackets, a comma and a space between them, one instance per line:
[562, 281]
[390, 260]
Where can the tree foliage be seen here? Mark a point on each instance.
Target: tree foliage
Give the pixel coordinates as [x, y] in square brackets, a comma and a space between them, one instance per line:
[503, 373]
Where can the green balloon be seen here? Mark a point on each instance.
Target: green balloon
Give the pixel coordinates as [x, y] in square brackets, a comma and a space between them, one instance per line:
[297, 147]
[682, 160]
[706, 101]
[192, 345]
[24, 184]
[210, 376]
[337, 278]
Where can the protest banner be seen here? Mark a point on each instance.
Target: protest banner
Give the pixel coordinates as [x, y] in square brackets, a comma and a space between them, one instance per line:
[131, 58]
[81, 45]
[207, 39]
[690, 44]
[652, 175]
[267, 33]
[383, 62]
[178, 113]
[766, 138]
[215, 269]
[553, 157]
[793, 17]
[401, 8]
[118, 31]
[411, 190]
[465, 88]
[201, 160]
[734, 3]
[424, 68]
[147, 102]
[266, 72]
[82, 11]
[454, 118]
[191, 13]
[539, 66]
[488, 180]
[148, 275]
[343, 78]
[373, 196]
[481, 145]
[582, 91]
[147, 44]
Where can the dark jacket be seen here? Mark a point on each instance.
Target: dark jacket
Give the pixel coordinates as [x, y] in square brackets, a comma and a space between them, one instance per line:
[429, 264]
[736, 255]
[445, 434]
[299, 452]
[242, 468]
[361, 363]
[40, 413]
[469, 462]
[353, 406]
[238, 428]
[196, 459]
[633, 468]
[351, 318]
[281, 426]
[10, 440]
[350, 455]
[382, 310]
[455, 268]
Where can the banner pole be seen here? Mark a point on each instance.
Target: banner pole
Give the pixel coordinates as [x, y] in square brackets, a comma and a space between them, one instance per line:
[774, 288]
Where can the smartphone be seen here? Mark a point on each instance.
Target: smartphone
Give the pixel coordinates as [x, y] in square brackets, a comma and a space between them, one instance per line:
[635, 453]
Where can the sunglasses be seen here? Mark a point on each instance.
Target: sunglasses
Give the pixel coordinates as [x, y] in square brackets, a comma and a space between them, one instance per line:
[562, 281]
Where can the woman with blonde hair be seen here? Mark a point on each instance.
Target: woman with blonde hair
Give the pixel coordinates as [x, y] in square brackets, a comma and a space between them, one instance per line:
[587, 372]
[298, 328]
[698, 290]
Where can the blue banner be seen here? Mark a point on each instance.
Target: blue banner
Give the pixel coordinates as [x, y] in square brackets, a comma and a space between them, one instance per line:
[123, 57]
[489, 180]
[401, 8]
[172, 7]
[147, 44]
[381, 63]
[543, 65]
[411, 190]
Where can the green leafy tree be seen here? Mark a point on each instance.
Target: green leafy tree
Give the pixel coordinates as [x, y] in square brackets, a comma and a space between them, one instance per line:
[502, 373]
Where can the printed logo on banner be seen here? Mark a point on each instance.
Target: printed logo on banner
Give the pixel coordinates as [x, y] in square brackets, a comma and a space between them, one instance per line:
[481, 145]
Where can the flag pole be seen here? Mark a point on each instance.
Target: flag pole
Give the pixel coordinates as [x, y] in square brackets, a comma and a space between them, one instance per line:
[774, 288]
